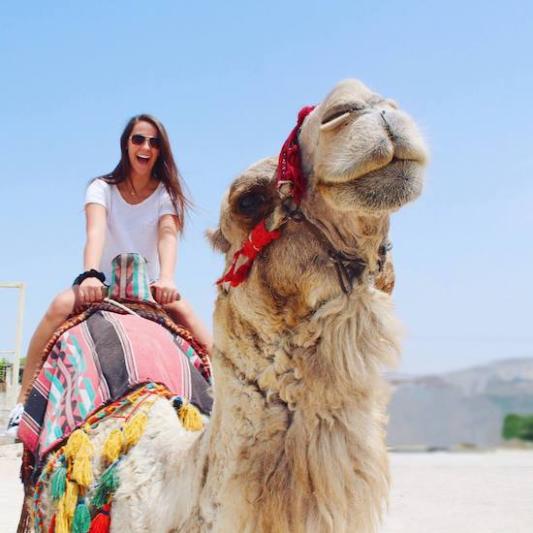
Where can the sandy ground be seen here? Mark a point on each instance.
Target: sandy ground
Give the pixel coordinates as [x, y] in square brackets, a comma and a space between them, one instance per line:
[10, 487]
[477, 492]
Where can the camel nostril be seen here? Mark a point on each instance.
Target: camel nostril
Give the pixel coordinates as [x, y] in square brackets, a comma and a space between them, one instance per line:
[388, 129]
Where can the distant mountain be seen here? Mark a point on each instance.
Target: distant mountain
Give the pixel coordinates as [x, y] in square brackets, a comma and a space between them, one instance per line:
[462, 407]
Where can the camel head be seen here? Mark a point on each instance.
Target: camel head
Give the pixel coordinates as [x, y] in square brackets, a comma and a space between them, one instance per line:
[361, 152]
[361, 159]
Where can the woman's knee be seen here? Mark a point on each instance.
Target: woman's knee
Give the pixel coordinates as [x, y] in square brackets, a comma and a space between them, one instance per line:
[62, 305]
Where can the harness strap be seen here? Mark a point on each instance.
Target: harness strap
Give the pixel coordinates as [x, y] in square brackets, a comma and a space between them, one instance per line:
[289, 176]
[243, 258]
[349, 267]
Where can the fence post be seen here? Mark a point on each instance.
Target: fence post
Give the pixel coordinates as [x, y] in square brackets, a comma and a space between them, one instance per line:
[12, 384]
[18, 339]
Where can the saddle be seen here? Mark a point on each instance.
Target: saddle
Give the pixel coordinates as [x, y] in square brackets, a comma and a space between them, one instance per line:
[108, 351]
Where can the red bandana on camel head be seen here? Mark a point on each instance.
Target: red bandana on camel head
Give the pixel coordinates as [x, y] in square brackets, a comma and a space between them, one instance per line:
[289, 171]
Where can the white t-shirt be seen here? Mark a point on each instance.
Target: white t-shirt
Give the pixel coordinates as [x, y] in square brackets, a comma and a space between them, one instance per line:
[130, 228]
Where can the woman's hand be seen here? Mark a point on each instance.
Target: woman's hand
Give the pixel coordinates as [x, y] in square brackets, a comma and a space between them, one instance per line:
[165, 291]
[91, 290]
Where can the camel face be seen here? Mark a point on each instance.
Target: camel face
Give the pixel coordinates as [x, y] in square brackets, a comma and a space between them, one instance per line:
[361, 152]
[361, 158]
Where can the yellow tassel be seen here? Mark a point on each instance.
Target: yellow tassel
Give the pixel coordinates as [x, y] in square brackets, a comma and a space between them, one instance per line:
[70, 500]
[190, 417]
[74, 442]
[66, 508]
[62, 524]
[82, 471]
[134, 429]
[113, 446]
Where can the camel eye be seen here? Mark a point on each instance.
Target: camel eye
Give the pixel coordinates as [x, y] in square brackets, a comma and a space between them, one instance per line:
[249, 203]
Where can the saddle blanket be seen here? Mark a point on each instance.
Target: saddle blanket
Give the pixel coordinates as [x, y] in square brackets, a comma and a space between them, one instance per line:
[97, 362]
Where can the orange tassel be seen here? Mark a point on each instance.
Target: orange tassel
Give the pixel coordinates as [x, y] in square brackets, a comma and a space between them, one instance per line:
[52, 527]
[101, 523]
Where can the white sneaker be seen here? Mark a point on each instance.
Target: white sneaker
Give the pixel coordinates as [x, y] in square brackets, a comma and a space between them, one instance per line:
[14, 420]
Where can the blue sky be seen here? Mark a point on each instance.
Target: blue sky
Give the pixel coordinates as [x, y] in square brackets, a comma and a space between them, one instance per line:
[227, 80]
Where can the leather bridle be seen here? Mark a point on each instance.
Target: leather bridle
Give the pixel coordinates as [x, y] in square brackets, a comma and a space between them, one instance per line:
[349, 267]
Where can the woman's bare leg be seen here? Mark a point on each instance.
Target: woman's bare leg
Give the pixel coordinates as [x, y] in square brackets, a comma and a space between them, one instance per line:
[182, 313]
[60, 308]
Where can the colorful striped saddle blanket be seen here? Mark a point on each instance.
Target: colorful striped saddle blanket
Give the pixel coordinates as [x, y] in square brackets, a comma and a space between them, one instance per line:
[102, 354]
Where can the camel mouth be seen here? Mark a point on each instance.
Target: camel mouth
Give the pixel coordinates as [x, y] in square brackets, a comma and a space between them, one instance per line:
[405, 169]
[385, 189]
[403, 166]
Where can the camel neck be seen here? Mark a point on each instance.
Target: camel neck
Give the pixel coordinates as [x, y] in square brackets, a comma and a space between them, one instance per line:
[289, 414]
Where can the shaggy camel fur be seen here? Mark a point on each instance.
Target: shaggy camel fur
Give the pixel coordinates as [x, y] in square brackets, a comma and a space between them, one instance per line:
[296, 441]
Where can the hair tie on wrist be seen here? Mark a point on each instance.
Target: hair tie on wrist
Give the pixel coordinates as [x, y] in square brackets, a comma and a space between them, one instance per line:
[89, 274]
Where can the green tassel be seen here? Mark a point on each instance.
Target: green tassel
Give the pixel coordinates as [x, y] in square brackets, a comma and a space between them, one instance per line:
[59, 482]
[110, 479]
[100, 498]
[107, 485]
[82, 519]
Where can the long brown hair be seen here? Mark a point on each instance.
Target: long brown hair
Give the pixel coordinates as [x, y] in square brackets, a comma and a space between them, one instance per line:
[165, 168]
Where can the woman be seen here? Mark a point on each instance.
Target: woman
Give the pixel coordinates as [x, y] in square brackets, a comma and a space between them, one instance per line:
[139, 207]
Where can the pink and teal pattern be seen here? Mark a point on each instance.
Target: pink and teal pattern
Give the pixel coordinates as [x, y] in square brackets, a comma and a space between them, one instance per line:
[129, 279]
[74, 376]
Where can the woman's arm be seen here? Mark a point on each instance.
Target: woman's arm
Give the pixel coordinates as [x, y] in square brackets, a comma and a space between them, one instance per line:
[95, 215]
[91, 289]
[167, 246]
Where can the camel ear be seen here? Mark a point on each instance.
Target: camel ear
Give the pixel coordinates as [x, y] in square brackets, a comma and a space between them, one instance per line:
[217, 240]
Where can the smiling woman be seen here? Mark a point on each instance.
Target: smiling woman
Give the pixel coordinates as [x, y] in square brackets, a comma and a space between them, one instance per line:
[137, 208]
[143, 192]
[146, 152]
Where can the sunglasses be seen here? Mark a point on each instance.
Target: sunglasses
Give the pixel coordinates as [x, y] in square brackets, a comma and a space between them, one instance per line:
[138, 139]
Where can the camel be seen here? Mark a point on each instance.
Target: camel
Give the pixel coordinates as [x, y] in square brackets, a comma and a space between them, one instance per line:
[296, 440]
